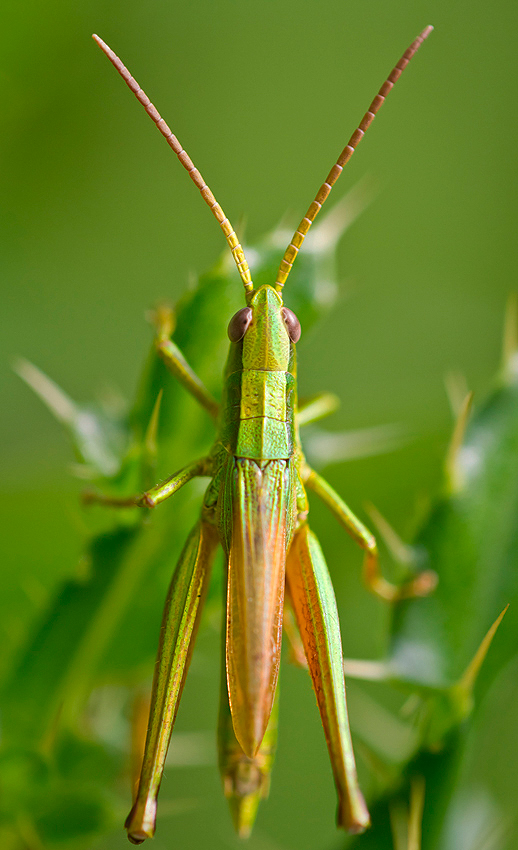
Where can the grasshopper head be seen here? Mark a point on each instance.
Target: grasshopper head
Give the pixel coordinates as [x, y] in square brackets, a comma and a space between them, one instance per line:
[267, 328]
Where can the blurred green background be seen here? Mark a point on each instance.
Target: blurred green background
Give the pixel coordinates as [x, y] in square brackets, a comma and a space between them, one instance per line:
[99, 222]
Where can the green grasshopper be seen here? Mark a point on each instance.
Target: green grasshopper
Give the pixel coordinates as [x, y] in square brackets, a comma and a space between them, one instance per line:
[256, 507]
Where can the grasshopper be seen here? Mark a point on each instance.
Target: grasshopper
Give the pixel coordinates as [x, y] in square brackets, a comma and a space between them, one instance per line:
[256, 508]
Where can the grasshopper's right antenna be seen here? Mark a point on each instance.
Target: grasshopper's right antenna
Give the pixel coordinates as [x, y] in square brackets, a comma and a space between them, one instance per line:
[208, 197]
[299, 235]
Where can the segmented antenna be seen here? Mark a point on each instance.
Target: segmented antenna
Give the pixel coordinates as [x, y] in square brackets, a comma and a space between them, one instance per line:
[172, 141]
[299, 235]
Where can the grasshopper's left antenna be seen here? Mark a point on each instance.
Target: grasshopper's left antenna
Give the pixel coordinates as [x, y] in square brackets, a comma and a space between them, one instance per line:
[172, 141]
[299, 235]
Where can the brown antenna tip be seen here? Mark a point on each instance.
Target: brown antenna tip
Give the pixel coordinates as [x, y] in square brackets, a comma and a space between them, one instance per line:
[301, 232]
[100, 42]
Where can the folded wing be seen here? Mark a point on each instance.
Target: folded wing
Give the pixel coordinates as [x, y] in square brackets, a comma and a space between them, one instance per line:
[259, 505]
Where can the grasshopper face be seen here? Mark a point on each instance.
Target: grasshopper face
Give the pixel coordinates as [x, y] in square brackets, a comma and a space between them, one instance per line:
[267, 328]
[266, 344]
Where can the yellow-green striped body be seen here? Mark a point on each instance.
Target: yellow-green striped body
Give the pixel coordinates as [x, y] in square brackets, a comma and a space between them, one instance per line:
[255, 490]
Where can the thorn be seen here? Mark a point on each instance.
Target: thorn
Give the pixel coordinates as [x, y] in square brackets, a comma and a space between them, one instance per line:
[57, 401]
[367, 671]
[163, 319]
[150, 438]
[287, 222]
[398, 813]
[463, 689]
[510, 338]
[112, 401]
[333, 447]
[241, 227]
[406, 823]
[456, 385]
[193, 278]
[382, 770]
[454, 471]
[327, 234]
[411, 705]
[401, 552]
[415, 817]
[317, 407]
[82, 471]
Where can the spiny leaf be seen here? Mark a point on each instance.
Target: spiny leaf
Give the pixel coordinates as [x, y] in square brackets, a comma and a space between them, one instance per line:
[98, 435]
[441, 645]
[107, 620]
[471, 540]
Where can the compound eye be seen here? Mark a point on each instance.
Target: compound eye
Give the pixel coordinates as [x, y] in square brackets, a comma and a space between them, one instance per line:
[238, 325]
[292, 324]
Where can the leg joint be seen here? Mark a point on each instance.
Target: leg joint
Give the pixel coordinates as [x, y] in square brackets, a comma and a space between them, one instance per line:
[161, 344]
[371, 545]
